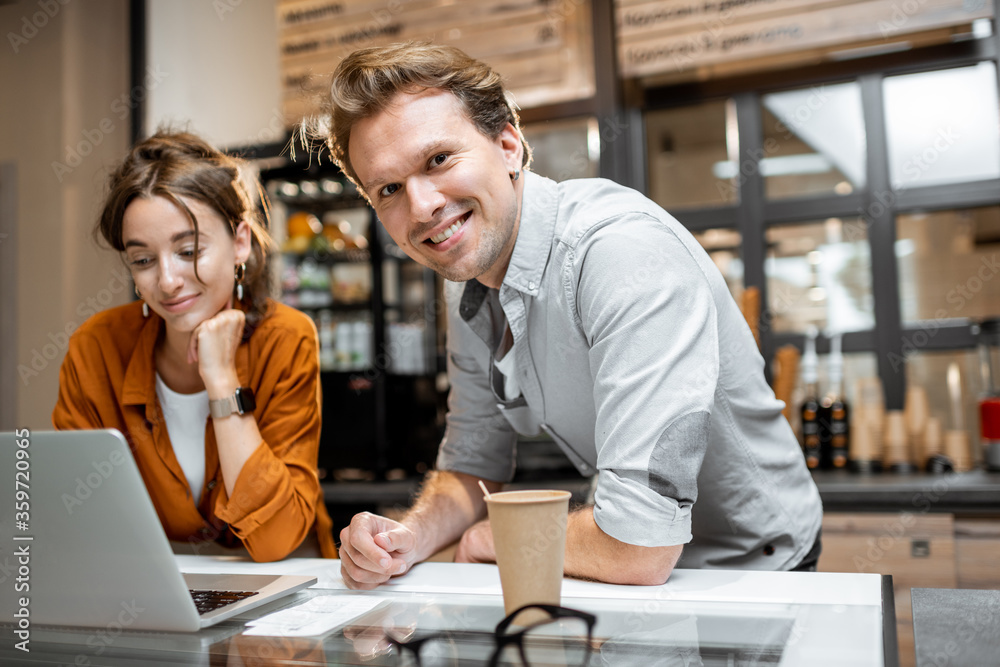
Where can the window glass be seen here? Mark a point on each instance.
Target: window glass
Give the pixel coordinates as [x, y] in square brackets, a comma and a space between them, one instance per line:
[689, 150]
[943, 127]
[857, 365]
[819, 274]
[948, 263]
[564, 149]
[929, 370]
[725, 247]
[814, 141]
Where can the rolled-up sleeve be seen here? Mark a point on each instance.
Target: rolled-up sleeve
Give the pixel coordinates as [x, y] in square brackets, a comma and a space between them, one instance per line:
[478, 440]
[277, 494]
[649, 316]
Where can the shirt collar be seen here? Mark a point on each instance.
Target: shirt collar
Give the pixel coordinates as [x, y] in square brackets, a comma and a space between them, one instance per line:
[534, 234]
[139, 387]
[531, 249]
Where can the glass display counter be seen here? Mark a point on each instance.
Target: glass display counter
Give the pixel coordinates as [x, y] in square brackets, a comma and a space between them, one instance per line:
[698, 618]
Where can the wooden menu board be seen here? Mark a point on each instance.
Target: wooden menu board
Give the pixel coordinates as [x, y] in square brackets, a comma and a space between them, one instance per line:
[543, 48]
[681, 40]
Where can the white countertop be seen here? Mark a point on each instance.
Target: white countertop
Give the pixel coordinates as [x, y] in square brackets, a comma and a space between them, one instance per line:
[684, 585]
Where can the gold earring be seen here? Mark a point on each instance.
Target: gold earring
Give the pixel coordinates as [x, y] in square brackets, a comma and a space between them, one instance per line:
[241, 270]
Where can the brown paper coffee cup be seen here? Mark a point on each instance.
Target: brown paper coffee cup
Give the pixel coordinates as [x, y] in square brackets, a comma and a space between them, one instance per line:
[529, 536]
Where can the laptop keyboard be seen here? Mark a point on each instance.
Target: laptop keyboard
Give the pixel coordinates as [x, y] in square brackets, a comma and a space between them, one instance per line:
[207, 601]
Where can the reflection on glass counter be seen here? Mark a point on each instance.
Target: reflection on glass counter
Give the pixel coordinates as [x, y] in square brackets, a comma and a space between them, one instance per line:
[819, 274]
[628, 632]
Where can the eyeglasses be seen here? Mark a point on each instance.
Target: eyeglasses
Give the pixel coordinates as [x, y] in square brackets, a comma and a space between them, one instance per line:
[560, 637]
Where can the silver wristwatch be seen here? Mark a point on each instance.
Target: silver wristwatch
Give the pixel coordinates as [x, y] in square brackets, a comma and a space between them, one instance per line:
[241, 402]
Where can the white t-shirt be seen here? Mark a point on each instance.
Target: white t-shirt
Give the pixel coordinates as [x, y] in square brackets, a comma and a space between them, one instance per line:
[186, 416]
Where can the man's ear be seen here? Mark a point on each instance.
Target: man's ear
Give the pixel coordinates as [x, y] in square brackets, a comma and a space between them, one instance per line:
[242, 242]
[513, 150]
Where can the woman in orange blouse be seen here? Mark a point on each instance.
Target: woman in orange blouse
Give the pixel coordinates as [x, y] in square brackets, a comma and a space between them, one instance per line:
[214, 385]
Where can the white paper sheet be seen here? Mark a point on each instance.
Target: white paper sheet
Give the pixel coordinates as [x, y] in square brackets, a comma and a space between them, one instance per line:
[316, 616]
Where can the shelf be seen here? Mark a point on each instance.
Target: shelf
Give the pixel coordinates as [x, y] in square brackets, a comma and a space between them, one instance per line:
[974, 492]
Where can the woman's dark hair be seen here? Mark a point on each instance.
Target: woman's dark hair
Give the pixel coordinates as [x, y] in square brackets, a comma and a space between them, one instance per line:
[179, 166]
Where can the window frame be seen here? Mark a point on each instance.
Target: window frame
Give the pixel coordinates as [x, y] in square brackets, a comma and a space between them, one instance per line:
[890, 340]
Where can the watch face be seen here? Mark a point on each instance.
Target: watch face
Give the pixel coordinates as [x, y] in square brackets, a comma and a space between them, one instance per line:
[245, 400]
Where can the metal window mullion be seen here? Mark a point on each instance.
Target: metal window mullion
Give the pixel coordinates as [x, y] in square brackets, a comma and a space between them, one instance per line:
[880, 218]
[750, 213]
[995, 42]
[609, 97]
[971, 194]
[814, 208]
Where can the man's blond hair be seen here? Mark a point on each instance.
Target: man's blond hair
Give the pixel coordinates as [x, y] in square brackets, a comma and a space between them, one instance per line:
[368, 79]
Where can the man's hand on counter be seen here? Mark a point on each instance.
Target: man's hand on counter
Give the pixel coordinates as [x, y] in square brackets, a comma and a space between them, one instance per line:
[476, 545]
[373, 549]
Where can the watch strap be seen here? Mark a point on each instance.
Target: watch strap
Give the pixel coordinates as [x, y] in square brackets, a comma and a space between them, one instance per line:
[241, 402]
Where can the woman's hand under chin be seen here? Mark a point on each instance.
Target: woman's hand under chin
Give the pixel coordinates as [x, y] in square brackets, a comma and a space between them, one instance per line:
[213, 347]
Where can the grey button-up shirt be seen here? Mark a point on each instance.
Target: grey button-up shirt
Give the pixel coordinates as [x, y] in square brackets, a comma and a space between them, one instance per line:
[632, 355]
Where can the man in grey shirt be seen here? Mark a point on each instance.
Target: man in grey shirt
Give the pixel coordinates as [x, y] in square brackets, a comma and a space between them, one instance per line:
[580, 309]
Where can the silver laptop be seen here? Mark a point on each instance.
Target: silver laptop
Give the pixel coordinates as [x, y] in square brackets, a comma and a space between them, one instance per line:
[81, 544]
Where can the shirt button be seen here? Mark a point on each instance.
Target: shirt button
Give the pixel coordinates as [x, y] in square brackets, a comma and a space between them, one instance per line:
[205, 531]
[531, 285]
[211, 485]
[768, 550]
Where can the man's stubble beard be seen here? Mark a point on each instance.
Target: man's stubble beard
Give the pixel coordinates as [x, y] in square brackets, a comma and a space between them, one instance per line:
[492, 244]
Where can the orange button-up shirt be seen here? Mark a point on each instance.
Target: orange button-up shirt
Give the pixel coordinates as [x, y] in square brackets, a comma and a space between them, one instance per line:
[108, 380]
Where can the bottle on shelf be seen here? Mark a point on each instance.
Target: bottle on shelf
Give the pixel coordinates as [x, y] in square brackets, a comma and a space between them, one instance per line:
[834, 412]
[811, 422]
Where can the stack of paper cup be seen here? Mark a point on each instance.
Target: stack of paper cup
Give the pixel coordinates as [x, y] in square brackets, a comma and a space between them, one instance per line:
[916, 413]
[896, 443]
[867, 420]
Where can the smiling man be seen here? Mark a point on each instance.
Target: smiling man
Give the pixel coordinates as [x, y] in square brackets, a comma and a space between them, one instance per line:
[580, 309]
